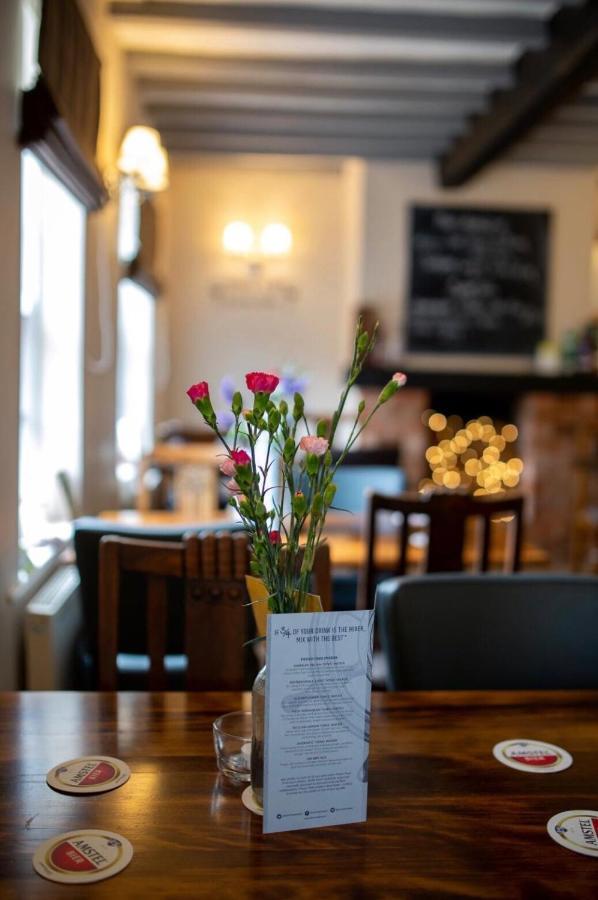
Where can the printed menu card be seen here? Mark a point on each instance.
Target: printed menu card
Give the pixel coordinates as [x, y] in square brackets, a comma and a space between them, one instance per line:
[317, 719]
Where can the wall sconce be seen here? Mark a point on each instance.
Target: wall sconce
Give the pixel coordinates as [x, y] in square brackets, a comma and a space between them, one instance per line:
[144, 159]
[239, 239]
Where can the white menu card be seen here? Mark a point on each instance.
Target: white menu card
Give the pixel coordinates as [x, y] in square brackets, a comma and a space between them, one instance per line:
[318, 694]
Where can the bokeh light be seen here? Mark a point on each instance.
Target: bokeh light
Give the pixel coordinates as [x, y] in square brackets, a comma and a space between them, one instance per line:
[473, 456]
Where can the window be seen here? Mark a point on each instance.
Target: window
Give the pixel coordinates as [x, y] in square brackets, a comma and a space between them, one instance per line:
[51, 377]
[135, 380]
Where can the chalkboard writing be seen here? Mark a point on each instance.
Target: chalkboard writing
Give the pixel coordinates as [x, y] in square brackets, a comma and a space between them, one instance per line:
[478, 280]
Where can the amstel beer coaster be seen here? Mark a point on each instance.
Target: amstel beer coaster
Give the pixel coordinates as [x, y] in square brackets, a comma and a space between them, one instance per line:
[80, 857]
[577, 830]
[532, 756]
[88, 775]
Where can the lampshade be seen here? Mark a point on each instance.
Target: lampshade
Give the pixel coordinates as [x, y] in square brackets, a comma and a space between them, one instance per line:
[144, 159]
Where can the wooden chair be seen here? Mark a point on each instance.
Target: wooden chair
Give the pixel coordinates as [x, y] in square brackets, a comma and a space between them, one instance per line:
[218, 620]
[448, 516]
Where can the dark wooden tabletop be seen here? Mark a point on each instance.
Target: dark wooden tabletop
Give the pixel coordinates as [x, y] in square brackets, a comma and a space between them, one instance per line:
[445, 819]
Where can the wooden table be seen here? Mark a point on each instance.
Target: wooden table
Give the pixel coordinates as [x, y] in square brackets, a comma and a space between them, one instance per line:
[445, 819]
[348, 549]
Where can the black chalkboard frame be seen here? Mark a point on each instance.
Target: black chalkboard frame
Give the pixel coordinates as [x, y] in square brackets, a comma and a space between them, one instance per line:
[512, 321]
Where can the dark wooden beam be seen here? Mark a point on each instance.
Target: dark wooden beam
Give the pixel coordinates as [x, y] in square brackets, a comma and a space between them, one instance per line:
[545, 80]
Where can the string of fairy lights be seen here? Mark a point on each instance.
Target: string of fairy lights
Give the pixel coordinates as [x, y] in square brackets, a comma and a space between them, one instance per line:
[476, 456]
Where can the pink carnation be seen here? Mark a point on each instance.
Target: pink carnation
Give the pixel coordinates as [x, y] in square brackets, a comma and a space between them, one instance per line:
[237, 458]
[400, 378]
[312, 444]
[261, 382]
[198, 391]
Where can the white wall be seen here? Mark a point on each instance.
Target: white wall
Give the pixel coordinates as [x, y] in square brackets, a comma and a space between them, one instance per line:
[212, 339]
[10, 331]
[390, 190]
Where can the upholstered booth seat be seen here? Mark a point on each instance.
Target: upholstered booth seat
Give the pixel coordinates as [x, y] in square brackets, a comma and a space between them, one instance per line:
[489, 632]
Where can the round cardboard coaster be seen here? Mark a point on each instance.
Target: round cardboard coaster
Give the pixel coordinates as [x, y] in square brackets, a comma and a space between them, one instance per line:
[576, 829]
[83, 856]
[532, 756]
[249, 803]
[88, 775]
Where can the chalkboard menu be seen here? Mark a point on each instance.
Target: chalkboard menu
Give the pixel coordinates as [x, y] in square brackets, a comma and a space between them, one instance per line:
[478, 280]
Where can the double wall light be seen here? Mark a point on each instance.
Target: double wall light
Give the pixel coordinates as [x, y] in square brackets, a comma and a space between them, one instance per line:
[239, 239]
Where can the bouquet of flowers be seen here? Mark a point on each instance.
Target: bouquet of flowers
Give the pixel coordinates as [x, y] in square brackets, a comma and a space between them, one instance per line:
[281, 476]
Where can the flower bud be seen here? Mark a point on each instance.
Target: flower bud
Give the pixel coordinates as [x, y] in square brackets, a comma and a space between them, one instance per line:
[288, 453]
[298, 407]
[361, 407]
[329, 494]
[388, 391]
[299, 503]
[237, 404]
[312, 464]
[283, 406]
[322, 428]
[273, 420]
[317, 505]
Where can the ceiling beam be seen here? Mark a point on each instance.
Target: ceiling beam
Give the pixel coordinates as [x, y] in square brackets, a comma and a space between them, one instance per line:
[304, 145]
[429, 23]
[473, 100]
[312, 102]
[545, 80]
[184, 119]
[305, 74]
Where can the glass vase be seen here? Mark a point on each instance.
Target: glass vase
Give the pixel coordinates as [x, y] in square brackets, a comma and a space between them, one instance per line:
[258, 704]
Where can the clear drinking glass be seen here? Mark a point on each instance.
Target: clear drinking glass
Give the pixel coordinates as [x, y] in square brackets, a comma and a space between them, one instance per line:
[232, 743]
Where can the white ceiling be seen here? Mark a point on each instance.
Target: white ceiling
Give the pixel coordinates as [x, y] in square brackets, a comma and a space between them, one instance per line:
[374, 78]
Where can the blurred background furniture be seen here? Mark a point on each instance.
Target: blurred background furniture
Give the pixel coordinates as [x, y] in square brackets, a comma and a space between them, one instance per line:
[458, 534]
[191, 473]
[213, 557]
[491, 632]
[584, 544]
[88, 533]
[217, 619]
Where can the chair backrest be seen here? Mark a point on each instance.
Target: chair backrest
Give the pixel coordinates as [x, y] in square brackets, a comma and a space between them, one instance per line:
[88, 532]
[217, 620]
[447, 516]
[157, 562]
[490, 632]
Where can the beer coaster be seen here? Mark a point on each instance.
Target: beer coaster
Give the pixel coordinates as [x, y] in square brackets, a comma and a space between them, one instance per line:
[532, 756]
[577, 830]
[249, 803]
[80, 857]
[88, 775]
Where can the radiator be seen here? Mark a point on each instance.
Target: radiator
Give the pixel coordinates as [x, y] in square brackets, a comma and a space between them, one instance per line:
[52, 623]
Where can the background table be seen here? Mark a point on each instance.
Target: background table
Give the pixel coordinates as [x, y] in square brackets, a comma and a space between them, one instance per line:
[343, 533]
[445, 819]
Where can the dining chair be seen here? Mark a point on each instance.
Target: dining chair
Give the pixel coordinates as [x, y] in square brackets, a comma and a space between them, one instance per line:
[88, 533]
[448, 518]
[489, 632]
[218, 622]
